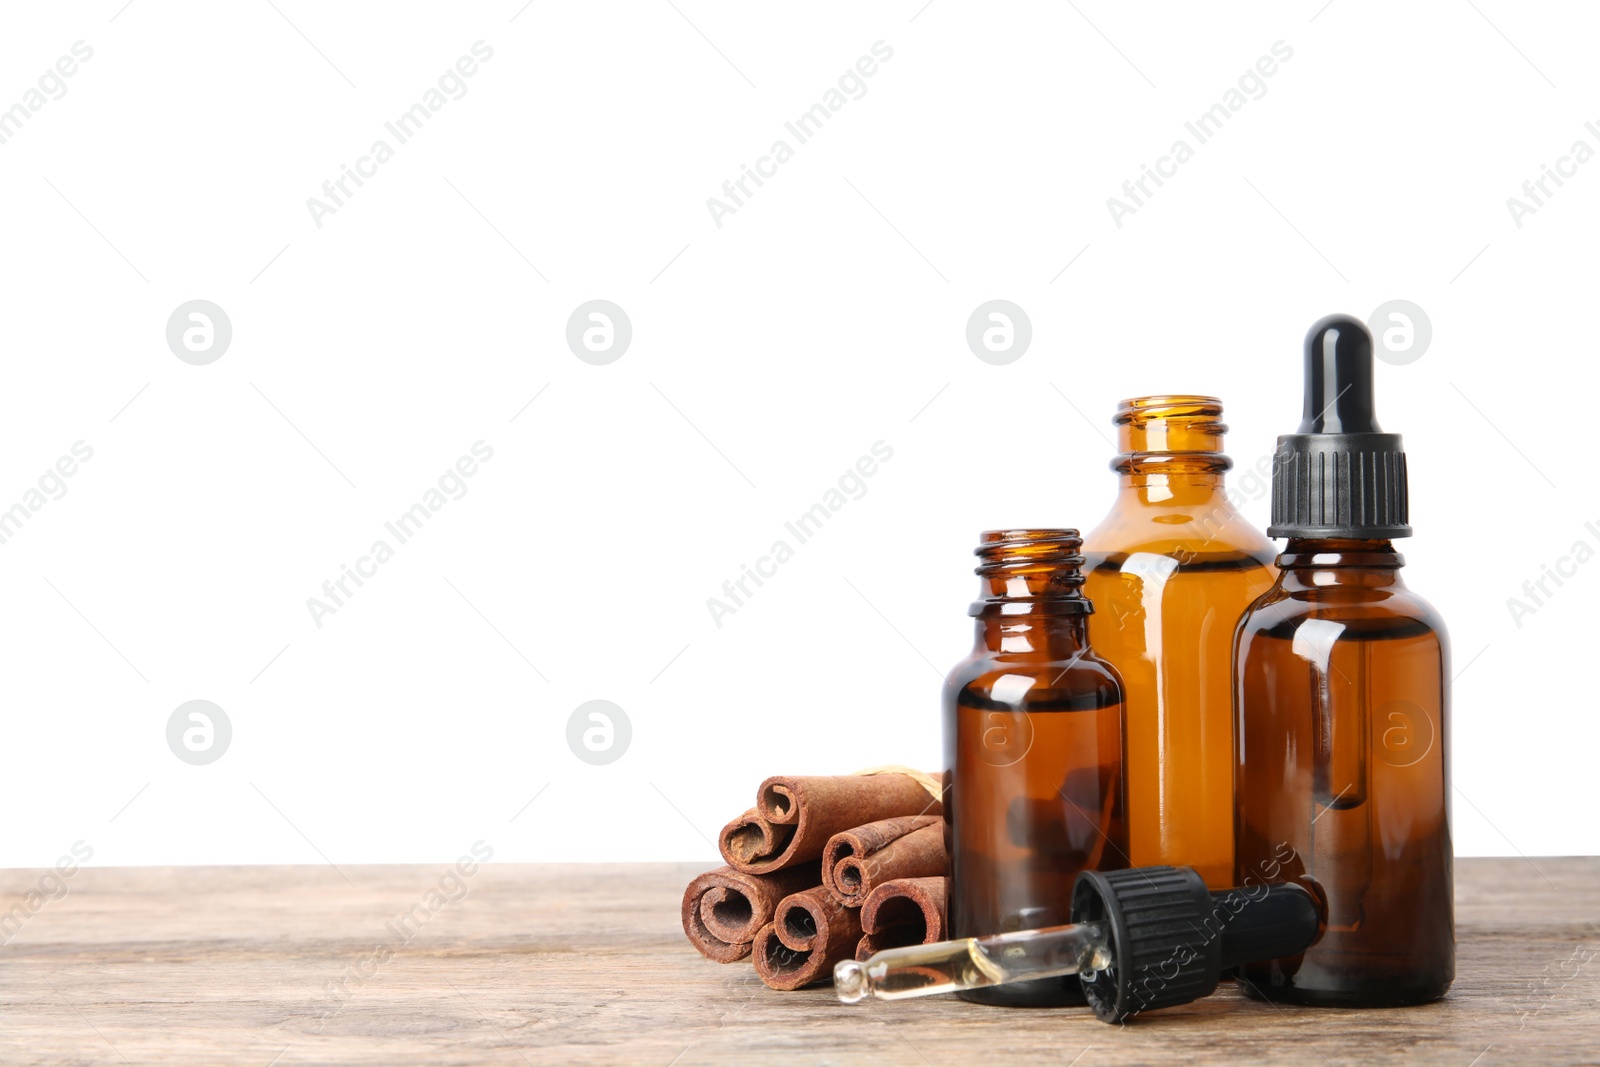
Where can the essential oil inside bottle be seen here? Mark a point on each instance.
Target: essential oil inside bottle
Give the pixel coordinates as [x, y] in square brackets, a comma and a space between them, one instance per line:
[1342, 690]
[1033, 748]
[1170, 570]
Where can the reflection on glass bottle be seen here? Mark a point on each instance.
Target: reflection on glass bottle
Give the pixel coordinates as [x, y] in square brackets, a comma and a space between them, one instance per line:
[1170, 570]
[1033, 751]
[1342, 696]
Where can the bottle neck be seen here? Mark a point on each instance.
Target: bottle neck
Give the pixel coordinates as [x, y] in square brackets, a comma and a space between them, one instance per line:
[1320, 562]
[1170, 450]
[1151, 479]
[1059, 636]
[1030, 597]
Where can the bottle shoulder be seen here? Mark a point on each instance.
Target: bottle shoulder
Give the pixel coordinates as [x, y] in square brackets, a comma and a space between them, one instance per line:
[1391, 611]
[1211, 532]
[1017, 677]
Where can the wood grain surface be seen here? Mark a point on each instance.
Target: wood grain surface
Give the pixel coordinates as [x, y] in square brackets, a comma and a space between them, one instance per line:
[586, 964]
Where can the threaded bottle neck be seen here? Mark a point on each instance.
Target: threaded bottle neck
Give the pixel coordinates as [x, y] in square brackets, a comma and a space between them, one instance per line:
[1171, 438]
[1030, 572]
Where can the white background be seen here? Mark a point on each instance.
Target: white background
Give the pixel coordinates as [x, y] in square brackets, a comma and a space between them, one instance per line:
[768, 354]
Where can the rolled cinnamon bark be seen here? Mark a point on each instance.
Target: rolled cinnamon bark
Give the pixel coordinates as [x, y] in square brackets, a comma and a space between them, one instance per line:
[906, 911]
[794, 816]
[724, 909]
[750, 839]
[809, 933]
[855, 861]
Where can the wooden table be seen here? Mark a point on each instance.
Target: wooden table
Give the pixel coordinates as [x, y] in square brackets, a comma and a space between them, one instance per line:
[587, 965]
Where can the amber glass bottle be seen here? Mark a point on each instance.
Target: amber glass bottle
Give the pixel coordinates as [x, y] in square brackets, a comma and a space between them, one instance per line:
[1033, 752]
[1342, 695]
[1170, 570]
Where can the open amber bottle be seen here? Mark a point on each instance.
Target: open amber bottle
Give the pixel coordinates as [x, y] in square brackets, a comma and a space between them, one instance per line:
[1033, 752]
[1342, 685]
[1170, 570]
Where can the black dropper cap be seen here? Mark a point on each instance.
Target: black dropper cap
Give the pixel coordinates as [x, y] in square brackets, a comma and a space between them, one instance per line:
[1339, 475]
[1172, 939]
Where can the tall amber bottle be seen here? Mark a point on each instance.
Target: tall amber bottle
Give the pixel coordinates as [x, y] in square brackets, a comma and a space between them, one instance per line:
[1342, 687]
[1170, 571]
[1033, 752]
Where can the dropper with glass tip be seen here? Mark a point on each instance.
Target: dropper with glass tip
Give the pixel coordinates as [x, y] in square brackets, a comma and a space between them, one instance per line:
[974, 962]
[1145, 938]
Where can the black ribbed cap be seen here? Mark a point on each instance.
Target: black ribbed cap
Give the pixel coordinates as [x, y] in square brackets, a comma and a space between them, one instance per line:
[1171, 938]
[1153, 912]
[1339, 475]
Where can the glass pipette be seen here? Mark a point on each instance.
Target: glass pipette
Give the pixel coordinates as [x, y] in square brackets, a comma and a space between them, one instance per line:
[974, 962]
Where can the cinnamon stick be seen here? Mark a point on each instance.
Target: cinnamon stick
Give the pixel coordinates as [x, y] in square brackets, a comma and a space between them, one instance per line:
[795, 816]
[855, 861]
[724, 909]
[906, 911]
[809, 933]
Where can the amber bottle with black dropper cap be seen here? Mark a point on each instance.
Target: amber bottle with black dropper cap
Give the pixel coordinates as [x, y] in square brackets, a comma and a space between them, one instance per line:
[1342, 694]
